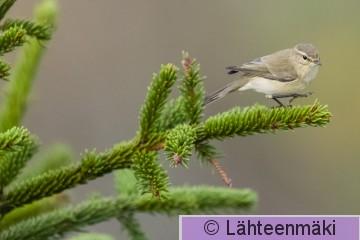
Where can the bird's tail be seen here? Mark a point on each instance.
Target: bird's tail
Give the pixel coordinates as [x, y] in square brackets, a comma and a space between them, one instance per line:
[226, 90]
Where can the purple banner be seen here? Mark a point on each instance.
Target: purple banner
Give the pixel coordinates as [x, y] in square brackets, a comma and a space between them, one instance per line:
[269, 227]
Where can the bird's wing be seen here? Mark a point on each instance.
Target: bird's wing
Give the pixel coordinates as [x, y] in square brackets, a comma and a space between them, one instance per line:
[274, 67]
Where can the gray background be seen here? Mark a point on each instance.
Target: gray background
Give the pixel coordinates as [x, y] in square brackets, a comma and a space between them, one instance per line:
[95, 74]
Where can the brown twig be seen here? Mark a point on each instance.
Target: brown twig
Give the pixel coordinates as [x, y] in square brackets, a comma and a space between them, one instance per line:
[156, 147]
[223, 174]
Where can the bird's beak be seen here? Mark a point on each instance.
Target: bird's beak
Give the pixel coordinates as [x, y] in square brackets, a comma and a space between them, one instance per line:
[317, 62]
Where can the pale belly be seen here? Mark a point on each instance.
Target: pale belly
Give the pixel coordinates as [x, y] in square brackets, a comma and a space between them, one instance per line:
[273, 87]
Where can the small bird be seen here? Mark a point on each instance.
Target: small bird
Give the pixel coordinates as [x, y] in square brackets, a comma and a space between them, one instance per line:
[279, 75]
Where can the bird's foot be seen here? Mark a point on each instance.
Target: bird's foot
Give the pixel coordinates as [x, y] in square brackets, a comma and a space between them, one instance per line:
[292, 96]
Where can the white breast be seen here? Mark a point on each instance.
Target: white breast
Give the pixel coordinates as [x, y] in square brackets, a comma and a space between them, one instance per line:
[311, 74]
[274, 87]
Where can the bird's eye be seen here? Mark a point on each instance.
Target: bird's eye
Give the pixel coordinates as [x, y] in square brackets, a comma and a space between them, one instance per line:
[305, 57]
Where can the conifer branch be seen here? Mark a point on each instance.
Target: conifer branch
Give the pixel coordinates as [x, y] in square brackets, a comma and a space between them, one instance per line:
[200, 199]
[192, 89]
[259, 119]
[11, 38]
[55, 157]
[14, 105]
[58, 222]
[126, 186]
[41, 32]
[45, 185]
[35, 209]
[172, 115]
[4, 70]
[12, 163]
[58, 180]
[129, 222]
[47, 13]
[14, 139]
[92, 236]
[182, 200]
[158, 92]
[179, 144]
[205, 151]
[5, 5]
[150, 174]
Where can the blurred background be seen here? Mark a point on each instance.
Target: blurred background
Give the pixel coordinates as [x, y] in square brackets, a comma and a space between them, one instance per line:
[96, 70]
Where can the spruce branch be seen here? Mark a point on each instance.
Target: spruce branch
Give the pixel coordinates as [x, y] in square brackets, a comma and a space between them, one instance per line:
[12, 163]
[150, 174]
[55, 157]
[129, 222]
[17, 92]
[5, 5]
[182, 200]
[35, 209]
[47, 13]
[45, 185]
[11, 38]
[58, 180]
[40, 31]
[93, 165]
[192, 89]
[56, 223]
[179, 143]
[14, 139]
[158, 92]
[92, 236]
[200, 199]
[234, 122]
[206, 151]
[126, 186]
[260, 119]
[172, 115]
[157, 132]
[4, 70]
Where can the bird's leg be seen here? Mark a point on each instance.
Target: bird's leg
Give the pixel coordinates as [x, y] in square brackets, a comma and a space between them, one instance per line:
[293, 97]
[278, 101]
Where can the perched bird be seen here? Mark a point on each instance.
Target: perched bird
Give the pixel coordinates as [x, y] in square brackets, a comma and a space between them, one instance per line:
[279, 75]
